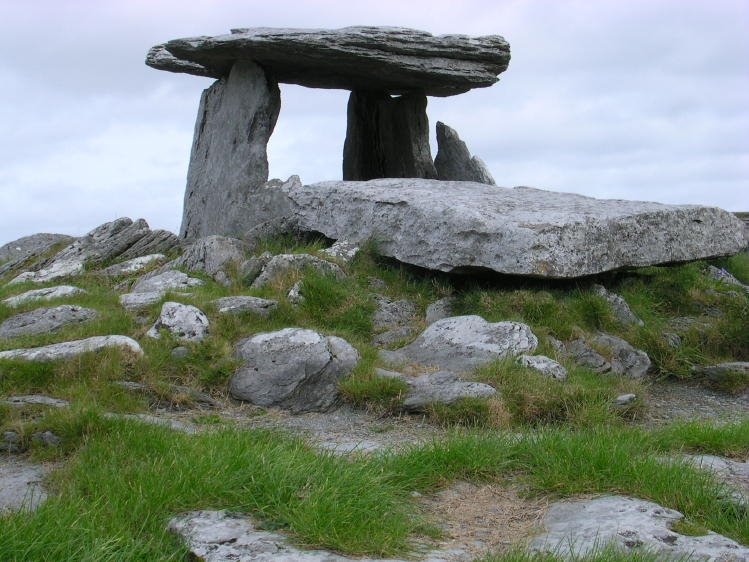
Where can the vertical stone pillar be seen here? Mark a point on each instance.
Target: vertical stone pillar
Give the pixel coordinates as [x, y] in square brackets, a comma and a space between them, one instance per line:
[229, 158]
[387, 137]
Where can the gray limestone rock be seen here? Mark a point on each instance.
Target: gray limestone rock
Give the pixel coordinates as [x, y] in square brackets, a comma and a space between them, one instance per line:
[393, 336]
[454, 162]
[619, 306]
[180, 352]
[462, 343]
[283, 264]
[213, 255]
[295, 295]
[584, 355]
[251, 268]
[724, 371]
[35, 400]
[46, 294]
[169, 280]
[45, 320]
[46, 438]
[576, 528]
[451, 226]
[392, 314]
[132, 265]
[240, 304]
[342, 250]
[155, 242]
[441, 387]
[229, 160]
[624, 359]
[544, 365]
[725, 277]
[56, 270]
[625, 399]
[439, 309]
[134, 301]
[29, 246]
[11, 442]
[66, 350]
[183, 321]
[294, 368]
[387, 59]
[21, 485]
[387, 137]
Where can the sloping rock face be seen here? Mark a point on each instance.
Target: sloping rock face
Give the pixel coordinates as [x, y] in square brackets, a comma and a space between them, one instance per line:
[451, 226]
[388, 59]
[28, 246]
[45, 320]
[454, 161]
[236, 117]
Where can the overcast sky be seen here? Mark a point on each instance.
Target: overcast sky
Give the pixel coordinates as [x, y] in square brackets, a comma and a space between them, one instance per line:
[609, 98]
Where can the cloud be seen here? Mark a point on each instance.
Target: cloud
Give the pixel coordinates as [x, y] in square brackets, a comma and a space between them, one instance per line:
[638, 99]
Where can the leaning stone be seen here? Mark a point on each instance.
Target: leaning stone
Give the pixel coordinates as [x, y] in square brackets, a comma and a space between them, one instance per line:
[21, 485]
[69, 349]
[342, 250]
[183, 321]
[439, 309]
[240, 304]
[294, 368]
[45, 320]
[441, 387]
[386, 59]
[46, 294]
[169, 280]
[619, 306]
[544, 365]
[462, 343]
[35, 400]
[214, 255]
[454, 162]
[132, 265]
[57, 270]
[283, 264]
[578, 528]
[451, 226]
[29, 246]
[625, 359]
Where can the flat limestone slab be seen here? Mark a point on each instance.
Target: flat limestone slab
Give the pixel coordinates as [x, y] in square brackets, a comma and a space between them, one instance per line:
[68, 349]
[387, 59]
[20, 485]
[454, 226]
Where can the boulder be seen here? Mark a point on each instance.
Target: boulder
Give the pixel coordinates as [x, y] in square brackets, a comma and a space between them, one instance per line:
[454, 162]
[66, 350]
[624, 359]
[133, 265]
[46, 294]
[29, 246]
[169, 280]
[544, 365]
[439, 309]
[284, 264]
[393, 336]
[294, 368]
[386, 59]
[240, 304]
[214, 255]
[441, 387]
[451, 226]
[252, 267]
[229, 159]
[619, 306]
[183, 321]
[45, 320]
[462, 343]
[577, 528]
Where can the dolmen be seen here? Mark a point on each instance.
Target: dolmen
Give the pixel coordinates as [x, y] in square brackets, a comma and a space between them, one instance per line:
[444, 213]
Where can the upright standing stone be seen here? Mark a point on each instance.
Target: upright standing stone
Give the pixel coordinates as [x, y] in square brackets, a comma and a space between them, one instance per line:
[454, 161]
[387, 137]
[236, 117]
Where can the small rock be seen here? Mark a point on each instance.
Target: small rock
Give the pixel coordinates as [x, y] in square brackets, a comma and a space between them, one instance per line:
[619, 306]
[391, 314]
[11, 442]
[251, 268]
[544, 365]
[133, 301]
[180, 352]
[586, 356]
[439, 309]
[66, 350]
[165, 281]
[625, 359]
[35, 399]
[285, 263]
[240, 304]
[133, 265]
[393, 336]
[441, 387]
[725, 277]
[45, 320]
[184, 321]
[295, 295]
[48, 293]
[342, 250]
[625, 399]
[46, 438]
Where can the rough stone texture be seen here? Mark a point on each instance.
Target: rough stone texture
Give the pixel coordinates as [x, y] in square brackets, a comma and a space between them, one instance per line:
[213, 255]
[544, 365]
[133, 301]
[441, 387]
[28, 246]
[342, 250]
[725, 277]
[35, 400]
[218, 536]
[294, 368]
[46, 294]
[454, 162]
[388, 59]
[295, 295]
[462, 343]
[252, 267]
[392, 314]
[45, 320]
[387, 137]
[722, 371]
[11, 442]
[165, 281]
[585, 356]
[56, 270]
[439, 309]
[577, 528]
[625, 359]
[155, 242]
[283, 264]
[392, 336]
[734, 472]
[20, 485]
[451, 226]
[132, 265]
[240, 304]
[619, 306]
[66, 350]
[183, 321]
[236, 117]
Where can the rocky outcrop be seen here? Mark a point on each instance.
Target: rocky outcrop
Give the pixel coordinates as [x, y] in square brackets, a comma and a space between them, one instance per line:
[133, 265]
[577, 528]
[183, 321]
[385, 59]
[155, 242]
[46, 294]
[387, 137]
[451, 226]
[29, 246]
[214, 255]
[228, 161]
[724, 277]
[294, 368]
[240, 304]
[454, 162]
[45, 320]
[462, 343]
[69, 349]
[284, 264]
